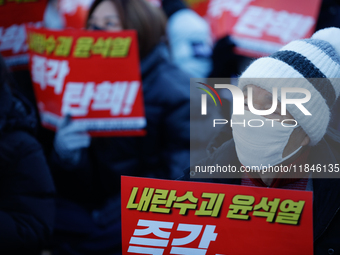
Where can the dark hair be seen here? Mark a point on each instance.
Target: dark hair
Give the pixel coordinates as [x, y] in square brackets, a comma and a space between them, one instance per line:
[148, 20]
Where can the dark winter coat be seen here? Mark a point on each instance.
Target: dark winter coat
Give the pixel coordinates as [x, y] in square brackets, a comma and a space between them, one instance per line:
[88, 205]
[162, 153]
[26, 186]
[326, 192]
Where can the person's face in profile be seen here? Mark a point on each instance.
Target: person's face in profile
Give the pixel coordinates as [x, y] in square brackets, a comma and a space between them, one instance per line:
[105, 17]
[262, 100]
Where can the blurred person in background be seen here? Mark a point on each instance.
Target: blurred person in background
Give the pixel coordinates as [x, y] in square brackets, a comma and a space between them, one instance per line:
[26, 186]
[87, 171]
[190, 43]
[189, 38]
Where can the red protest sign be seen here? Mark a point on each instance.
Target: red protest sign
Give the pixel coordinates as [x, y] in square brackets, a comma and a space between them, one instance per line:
[74, 12]
[261, 27]
[92, 76]
[13, 17]
[192, 218]
[199, 6]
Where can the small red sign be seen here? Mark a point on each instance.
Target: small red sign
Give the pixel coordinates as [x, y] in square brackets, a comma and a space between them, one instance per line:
[74, 12]
[92, 76]
[260, 27]
[13, 17]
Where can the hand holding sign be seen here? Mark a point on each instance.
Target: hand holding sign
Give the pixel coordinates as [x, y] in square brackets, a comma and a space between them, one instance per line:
[70, 139]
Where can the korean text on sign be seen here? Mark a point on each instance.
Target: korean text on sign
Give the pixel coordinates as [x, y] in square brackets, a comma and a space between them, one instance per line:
[188, 218]
[84, 46]
[162, 201]
[14, 16]
[140, 241]
[92, 76]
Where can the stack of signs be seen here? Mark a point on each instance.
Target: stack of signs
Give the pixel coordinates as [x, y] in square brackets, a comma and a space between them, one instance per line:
[92, 76]
[261, 27]
[192, 218]
[13, 17]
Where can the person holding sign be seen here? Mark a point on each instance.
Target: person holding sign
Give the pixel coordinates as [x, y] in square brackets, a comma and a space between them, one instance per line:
[294, 148]
[26, 189]
[87, 170]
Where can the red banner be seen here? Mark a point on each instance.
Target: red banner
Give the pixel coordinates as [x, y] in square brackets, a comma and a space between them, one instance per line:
[13, 17]
[92, 76]
[261, 27]
[192, 218]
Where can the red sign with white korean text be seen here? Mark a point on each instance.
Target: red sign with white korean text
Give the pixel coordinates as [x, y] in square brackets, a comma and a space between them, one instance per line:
[92, 76]
[74, 12]
[192, 218]
[261, 27]
[13, 17]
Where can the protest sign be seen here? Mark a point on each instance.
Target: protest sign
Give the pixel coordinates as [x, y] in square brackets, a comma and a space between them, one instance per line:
[92, 76]
[74, 12]
[13, 17]
[193, 218]
[199, 6]
[261, 27]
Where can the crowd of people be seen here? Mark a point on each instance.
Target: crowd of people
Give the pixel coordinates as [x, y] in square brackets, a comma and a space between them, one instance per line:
[60, 191]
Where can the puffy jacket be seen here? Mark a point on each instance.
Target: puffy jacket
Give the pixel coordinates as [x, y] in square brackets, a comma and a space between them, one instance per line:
[26, 186]
[162, 153]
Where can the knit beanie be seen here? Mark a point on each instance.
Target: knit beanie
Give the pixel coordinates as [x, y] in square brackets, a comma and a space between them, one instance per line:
[312, 64]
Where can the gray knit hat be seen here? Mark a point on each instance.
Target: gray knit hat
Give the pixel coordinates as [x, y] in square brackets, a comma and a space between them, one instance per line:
[316, 62]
